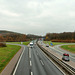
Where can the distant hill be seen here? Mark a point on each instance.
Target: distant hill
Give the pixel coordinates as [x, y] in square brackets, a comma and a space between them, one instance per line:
[4, 32]
[12, 36]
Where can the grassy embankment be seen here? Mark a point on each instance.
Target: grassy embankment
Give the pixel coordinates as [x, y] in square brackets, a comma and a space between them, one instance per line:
[70, 48]
[6, 54]
[24, 43]
[14, 42]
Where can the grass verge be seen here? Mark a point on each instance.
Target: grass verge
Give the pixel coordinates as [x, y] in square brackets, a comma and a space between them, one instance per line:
[14, 42]
[70, 48]
[6, 54]
[24, 43]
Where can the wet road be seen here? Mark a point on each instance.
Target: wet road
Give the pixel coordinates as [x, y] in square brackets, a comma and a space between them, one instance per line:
[34, 62]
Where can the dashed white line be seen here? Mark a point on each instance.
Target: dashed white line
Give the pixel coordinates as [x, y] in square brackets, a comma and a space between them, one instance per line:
[30, 63]
[41, 62]
[29, 53]
[31, 73]
[18, 62]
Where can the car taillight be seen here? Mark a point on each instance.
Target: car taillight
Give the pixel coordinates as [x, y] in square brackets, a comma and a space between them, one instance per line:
[65, 54]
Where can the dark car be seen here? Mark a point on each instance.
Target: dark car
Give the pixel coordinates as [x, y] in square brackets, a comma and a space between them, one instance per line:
[47, 45]
[65, 57]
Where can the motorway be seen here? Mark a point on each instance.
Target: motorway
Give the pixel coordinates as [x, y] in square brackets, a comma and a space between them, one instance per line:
[60, 51]
[34, 62]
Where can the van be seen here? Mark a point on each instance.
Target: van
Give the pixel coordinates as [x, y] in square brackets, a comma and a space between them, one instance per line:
[31, 45]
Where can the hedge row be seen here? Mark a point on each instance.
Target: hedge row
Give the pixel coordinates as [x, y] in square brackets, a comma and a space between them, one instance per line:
[2, 44]
[67, 41]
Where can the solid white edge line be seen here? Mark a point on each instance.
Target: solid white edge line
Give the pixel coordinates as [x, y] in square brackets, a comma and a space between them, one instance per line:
[54, 64]
[31, 73]
[18, 62]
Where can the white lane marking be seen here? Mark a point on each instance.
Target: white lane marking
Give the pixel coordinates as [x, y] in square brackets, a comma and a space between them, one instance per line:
[31, 73]
[29, 53]
[41, 62]
[30, 63]
[18, 62]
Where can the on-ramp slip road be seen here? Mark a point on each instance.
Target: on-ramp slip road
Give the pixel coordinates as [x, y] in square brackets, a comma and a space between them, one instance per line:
[60, 51]
[34, 62]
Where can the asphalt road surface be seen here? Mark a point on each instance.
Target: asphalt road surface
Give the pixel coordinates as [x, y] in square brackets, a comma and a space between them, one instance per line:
[60, 51]
[34, 62]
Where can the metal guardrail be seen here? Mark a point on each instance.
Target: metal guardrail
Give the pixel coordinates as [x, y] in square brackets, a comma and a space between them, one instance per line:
[68, 68]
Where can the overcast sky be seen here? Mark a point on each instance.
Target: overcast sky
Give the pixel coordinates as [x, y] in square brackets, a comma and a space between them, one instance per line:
[37, 16]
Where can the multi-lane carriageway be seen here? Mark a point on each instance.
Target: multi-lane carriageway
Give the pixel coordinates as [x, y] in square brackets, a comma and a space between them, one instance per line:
[33, 61]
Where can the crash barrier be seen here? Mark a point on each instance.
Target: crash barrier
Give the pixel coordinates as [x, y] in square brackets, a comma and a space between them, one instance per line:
[70, 70]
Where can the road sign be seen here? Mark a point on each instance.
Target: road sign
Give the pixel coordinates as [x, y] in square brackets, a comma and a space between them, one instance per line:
[51, 44]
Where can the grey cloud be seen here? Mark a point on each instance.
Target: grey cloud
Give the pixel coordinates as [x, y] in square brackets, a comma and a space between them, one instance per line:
[37, 16]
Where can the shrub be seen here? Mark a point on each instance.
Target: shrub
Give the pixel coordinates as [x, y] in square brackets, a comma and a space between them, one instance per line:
[67, 41]
[2, 44]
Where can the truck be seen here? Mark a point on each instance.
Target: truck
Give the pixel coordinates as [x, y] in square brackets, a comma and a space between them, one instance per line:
[31, 45]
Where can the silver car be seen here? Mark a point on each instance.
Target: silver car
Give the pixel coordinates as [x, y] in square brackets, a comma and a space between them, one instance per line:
[65, 57]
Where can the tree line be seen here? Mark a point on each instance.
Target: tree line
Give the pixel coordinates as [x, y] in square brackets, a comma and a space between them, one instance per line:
[60, 37]
[7, 36]
[13, 38]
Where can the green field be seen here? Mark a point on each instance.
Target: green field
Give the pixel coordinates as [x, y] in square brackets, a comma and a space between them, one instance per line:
[54, 43]
[14, 42]
[70, 48]
[6, 54]
[24, 43]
